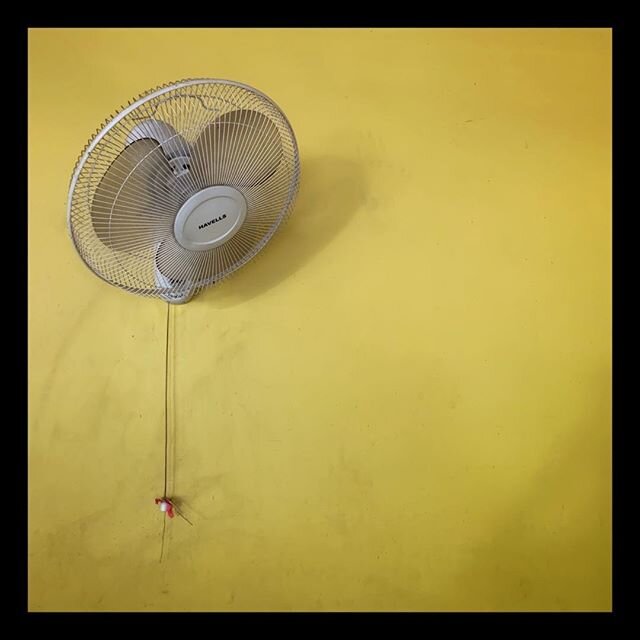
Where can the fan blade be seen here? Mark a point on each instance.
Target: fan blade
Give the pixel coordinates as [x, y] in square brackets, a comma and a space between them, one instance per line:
[242, 148]
[181, 268]
[134, 205]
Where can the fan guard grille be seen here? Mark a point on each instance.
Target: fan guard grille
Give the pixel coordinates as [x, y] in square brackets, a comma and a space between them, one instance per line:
[165, 147]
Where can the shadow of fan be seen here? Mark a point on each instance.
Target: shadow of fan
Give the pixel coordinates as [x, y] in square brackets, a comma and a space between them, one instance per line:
[331, 189]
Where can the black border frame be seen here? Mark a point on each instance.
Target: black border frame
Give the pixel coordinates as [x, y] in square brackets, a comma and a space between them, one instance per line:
[621, 234]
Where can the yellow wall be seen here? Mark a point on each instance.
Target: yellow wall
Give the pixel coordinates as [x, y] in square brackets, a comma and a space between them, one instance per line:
[405, 403]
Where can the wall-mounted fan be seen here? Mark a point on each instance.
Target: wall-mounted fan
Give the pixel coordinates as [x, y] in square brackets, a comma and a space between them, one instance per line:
[179, 190]
[183, 187]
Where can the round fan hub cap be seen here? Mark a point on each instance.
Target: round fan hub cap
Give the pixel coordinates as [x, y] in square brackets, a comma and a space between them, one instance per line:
[210, 218]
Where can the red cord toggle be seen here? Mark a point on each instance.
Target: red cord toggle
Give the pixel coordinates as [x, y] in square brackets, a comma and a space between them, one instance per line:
[166, 505]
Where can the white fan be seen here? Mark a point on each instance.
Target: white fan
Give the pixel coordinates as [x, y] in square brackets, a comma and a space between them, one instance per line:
[183, 187]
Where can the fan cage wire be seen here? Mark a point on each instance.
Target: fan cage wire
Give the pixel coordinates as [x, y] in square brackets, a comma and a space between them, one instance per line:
[191, 107]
